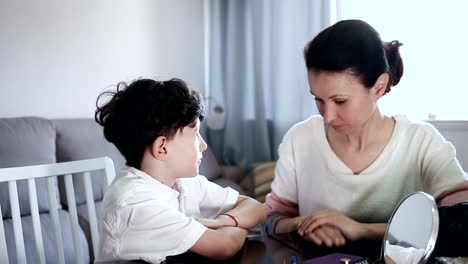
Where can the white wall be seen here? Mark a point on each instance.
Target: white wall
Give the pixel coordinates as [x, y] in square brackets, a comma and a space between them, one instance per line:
[180, 41]
[457, 133]
[57, 56]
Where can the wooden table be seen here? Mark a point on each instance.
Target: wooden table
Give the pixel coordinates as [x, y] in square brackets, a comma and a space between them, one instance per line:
[262, 249]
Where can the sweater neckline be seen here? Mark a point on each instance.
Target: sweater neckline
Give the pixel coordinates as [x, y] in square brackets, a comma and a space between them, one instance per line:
[341, 169]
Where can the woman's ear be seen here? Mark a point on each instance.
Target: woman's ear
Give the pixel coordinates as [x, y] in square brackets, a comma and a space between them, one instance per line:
[159, 148]
[381, 84]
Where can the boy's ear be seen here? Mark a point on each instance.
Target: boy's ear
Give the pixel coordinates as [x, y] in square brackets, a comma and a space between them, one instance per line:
[381, 84]
[159, 148]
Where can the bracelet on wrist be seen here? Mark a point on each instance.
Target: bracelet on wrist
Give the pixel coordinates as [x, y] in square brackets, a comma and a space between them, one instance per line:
[233, 218]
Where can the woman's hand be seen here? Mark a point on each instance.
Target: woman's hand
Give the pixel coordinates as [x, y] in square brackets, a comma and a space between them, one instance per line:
[328, 235]
[351, 229]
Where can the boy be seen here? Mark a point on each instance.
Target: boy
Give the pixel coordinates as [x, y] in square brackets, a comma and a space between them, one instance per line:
[159, 206]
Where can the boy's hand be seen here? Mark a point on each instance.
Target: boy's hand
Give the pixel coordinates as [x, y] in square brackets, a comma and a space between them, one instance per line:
[219, 222]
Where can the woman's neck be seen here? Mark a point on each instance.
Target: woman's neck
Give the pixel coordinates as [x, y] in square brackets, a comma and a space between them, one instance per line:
[376, 130]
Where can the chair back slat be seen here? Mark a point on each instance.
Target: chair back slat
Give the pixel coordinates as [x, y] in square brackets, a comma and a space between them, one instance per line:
[110, 173]
[91, 211]
[3, 245]
[17, 226]
[36, 222]
[55, 219]
[70, 167]
[50, 172]
[73, 217]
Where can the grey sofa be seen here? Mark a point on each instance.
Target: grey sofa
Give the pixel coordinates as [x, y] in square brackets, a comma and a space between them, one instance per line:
[31, 141]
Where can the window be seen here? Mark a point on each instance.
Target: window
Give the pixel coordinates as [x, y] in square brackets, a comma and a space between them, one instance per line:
[435, 54]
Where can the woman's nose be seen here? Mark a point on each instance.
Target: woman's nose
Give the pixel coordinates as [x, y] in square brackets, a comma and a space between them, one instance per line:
[329, 114]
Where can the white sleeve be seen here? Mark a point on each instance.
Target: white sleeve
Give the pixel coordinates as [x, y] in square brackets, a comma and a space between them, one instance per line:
[215, 199]
[285, 184]
[440, 167]
[155, 230]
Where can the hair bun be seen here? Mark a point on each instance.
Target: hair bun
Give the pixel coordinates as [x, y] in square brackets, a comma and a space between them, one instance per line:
[395, 62]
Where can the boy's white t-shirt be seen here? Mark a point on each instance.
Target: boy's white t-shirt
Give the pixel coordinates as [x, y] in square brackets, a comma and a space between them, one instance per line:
[146, 220]
[417, 158]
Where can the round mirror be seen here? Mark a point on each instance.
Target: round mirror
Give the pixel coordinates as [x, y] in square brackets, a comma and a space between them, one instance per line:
[412, 230]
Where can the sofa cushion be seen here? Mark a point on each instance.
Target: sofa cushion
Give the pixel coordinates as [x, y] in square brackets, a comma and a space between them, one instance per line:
[229, 183]
[25, 141]
[48, 239]
[83, 219]
[82, 138]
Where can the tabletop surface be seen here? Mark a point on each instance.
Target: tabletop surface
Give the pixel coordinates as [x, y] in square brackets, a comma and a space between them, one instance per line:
[281, 249]
[260, 248]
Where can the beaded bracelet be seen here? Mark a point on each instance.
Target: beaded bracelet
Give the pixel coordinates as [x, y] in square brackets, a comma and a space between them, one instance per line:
[233, 218]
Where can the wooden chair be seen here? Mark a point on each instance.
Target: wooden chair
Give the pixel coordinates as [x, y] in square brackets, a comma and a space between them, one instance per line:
[49, 172]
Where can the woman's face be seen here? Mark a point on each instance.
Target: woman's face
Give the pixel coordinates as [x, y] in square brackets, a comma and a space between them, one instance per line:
[344, 103]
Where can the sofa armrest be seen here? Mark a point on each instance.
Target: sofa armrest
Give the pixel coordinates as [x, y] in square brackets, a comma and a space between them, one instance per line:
[263, 172]
[233, 173]
[258, 181]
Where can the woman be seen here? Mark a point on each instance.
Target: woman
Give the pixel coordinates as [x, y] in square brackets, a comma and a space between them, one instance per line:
[341, 174]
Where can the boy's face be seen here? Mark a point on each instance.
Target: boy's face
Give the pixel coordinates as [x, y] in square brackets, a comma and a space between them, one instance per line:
[185, 151]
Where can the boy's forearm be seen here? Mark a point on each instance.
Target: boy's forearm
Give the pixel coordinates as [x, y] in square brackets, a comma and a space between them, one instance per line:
[222, 243]
[236, 234]
[233, 240]
[248, 213]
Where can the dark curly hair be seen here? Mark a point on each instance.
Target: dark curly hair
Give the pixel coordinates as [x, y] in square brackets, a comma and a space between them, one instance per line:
[138, 113]
[355, 46]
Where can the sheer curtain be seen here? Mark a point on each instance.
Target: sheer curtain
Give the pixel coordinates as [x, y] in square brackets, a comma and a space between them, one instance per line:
[255, 71]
